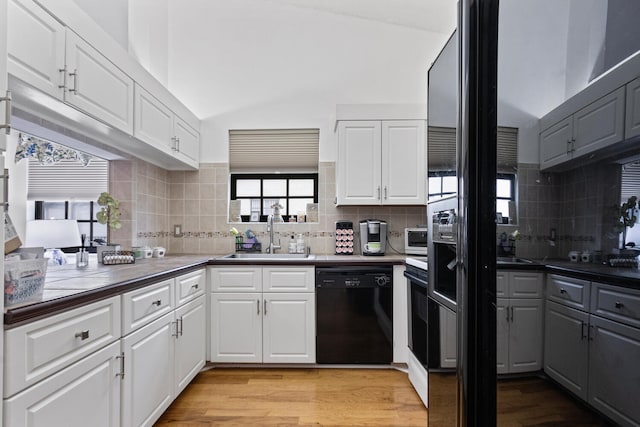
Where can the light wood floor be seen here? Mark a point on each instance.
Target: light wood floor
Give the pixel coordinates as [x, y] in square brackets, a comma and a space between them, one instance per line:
[297, 397]
[349, 397]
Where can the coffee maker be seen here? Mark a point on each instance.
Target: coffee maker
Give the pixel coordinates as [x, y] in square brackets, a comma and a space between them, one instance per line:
[373, 236]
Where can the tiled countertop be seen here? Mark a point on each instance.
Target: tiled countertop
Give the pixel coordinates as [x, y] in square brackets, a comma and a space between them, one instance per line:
[67, 287]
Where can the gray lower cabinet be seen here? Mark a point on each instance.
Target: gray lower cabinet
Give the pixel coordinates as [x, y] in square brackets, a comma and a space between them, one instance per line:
[594, 350]
[566, 347]
[614, 371]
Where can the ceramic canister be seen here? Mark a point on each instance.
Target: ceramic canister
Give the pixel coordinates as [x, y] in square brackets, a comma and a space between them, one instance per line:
[158, 252]
[147, 252]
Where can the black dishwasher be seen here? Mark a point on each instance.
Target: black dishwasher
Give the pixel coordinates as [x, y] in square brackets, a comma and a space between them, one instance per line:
[354, 315]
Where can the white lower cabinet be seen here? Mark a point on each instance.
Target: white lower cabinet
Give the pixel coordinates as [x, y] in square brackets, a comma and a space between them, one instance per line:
[86, 393]
[190, 347]
[263, 327]
[147, 383]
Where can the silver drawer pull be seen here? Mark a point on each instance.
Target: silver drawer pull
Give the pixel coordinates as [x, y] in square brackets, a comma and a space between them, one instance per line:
[563, 291]
[619, 304]
[157, 302]
[83, 335]
[196, 286]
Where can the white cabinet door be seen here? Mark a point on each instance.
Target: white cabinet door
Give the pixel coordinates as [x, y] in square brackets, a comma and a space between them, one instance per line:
[86, 393]
[599, 124]
[566, 347]
[236, 279]
[632, 118]
[288, 279]
[187, 140]
[153, 122]
[525, 335]
[404, 160]
[190, 342]
[96, 86]
[289, 333]
[614, 377]
[502, 335]
[358, 165]
[526, 284]
[35, 45]
[555, 143]
[148, 383]
[236, 327]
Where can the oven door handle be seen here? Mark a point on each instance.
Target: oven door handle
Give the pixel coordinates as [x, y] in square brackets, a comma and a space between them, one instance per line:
[417, 280]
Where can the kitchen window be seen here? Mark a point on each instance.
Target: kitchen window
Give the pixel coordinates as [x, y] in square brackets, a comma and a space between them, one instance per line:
[257, 193]
[82, 211]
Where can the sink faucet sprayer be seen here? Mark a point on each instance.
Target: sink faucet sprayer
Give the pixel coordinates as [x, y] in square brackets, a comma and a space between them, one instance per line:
[275, 217]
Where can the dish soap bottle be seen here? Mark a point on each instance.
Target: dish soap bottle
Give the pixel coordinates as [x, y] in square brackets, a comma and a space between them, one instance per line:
[300, 246]
[292, 246]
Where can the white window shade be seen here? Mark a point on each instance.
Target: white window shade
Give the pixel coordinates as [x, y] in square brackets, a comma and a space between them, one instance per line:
[442, 148]
[630, 182]
[273, 150]
[67, 180]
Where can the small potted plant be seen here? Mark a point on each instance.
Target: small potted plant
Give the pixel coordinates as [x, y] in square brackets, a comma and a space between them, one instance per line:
[626, 218]
[109, 214]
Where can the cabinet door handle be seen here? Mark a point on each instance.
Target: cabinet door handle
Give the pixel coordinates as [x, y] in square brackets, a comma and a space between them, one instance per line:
[378, 192]
[265, 307]
[7, 113]
[83, 335]
[563, 291]
[507, 310]
[511, 314]
[174, 146]
[177, 144]
[196, 286]
[258, 305]
[619, 304]
[385, 192]
[590, 332]
[181, 325]
[64, 78]
[121, 373]
[176, 333]
[74, 89]
[582, 334]
[157, 303]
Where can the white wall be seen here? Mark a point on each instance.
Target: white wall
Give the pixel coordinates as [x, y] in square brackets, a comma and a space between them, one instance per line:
[111, 15]
[268, 65]
[149, 36]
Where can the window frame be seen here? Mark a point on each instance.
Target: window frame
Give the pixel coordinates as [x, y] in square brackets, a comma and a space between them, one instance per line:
[512, 178]
[39, 215]
[234, 177]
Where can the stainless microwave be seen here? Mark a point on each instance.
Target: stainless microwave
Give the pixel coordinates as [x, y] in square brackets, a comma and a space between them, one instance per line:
[415, 241]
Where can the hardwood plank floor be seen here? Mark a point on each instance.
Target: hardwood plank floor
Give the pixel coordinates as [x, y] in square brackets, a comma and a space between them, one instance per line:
[297, 397]
[350, 397]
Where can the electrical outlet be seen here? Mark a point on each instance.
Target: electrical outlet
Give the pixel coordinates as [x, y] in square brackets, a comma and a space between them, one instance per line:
[177, 230]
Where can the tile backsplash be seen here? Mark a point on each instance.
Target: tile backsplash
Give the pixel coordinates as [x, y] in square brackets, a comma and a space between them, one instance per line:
[153, 200]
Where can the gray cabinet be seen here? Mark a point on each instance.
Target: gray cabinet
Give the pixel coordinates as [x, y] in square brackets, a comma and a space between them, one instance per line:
[592, 348]
[566, 347]
[597, 125]
[632, 114]
[519, 320]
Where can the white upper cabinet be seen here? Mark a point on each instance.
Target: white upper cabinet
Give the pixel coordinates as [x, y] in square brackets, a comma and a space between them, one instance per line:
[60, 52]
[157, 125]
[96, 86]
[35, 44]
[381, 162]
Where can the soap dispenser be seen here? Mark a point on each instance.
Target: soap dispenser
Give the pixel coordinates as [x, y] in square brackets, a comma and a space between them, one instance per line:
[300, 246]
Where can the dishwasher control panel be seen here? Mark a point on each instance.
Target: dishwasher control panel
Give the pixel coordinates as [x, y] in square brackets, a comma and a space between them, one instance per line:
[354, 277]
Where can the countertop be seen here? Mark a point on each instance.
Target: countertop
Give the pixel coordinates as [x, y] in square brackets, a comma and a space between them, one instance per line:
[67, 287]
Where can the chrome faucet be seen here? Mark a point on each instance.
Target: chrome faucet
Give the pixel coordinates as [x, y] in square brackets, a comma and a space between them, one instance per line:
[270, 228]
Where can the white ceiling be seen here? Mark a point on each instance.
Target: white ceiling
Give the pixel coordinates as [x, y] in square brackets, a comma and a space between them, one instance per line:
[429, 15]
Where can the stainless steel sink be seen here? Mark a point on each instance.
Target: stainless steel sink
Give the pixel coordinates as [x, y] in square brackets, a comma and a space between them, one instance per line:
[513, 260]
[265, 256]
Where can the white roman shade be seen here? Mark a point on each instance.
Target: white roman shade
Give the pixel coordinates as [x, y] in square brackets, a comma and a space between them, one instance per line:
[67, 180]
[630, 182]
[442, 148]
[273, 150]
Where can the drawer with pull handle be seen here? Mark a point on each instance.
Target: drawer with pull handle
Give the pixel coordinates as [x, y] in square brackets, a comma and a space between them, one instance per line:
[43, 347]
[142, 306]
[568, 291]
[616, 303]
[189, 286]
